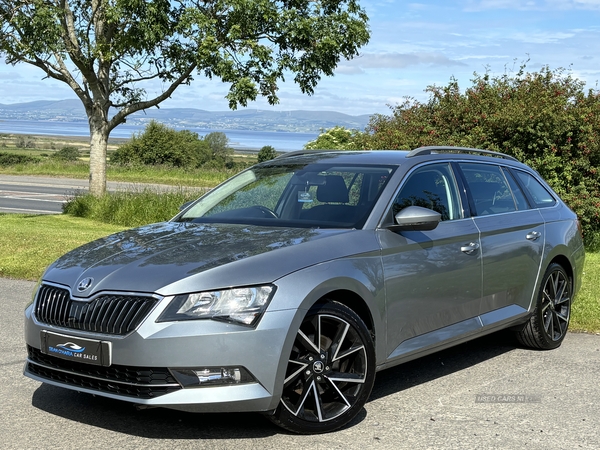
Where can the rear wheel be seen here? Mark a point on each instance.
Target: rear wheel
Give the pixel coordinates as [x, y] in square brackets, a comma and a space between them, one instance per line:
[330, 371]
[548, 324]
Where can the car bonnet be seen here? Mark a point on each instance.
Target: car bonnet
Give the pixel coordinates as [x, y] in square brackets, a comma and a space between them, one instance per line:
[156, 257]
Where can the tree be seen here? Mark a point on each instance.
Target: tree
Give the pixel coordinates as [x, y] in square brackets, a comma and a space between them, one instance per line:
[266, 153]
[67, 154]
[221, 153]
[159, 144]
[336, 138]
[112, 53]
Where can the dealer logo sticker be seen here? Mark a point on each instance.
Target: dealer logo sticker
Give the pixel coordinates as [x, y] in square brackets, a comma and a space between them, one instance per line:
[67, 349]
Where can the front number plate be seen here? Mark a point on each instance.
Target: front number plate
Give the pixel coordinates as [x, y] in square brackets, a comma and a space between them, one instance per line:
[88, 351]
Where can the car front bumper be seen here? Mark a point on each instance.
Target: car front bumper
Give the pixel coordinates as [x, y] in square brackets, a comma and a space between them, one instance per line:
[144, 366]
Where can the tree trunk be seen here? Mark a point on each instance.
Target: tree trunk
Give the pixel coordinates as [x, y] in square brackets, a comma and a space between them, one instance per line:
[98, 144]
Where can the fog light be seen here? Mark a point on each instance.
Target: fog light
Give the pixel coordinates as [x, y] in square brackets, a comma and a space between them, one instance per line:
[212, 376]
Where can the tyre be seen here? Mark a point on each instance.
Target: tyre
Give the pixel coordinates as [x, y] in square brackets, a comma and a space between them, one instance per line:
[330, 372]
[548, 324]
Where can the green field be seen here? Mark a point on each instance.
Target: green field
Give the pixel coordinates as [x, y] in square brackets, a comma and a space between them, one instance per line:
[43, 147]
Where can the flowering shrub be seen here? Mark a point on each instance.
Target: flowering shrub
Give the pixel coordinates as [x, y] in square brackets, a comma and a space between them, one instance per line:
[336, 138]
[545, 119]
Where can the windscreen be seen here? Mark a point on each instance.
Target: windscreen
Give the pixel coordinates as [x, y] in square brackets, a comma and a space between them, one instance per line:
[312, 195]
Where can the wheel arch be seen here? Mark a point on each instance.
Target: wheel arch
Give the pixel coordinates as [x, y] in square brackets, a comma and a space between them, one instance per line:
[356, 303]
[564, 262]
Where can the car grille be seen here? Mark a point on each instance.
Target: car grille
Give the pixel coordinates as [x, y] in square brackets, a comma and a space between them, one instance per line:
[137, 382]
[110, 314]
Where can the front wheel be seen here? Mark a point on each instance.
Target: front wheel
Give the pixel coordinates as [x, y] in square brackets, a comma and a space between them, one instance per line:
[330, 372]
[548, 324]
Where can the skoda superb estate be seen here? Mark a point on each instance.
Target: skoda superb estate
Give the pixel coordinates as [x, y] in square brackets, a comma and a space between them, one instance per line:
[286, 288]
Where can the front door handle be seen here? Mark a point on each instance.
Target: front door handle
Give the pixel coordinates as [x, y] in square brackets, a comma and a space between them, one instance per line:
[533, 236]
[469, 249]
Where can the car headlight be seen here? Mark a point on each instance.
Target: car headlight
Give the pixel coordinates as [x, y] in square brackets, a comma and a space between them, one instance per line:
[242, 305]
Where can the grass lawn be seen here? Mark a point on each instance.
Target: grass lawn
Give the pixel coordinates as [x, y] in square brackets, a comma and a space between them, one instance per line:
[150, 174]
[29, 243]
[586, 308]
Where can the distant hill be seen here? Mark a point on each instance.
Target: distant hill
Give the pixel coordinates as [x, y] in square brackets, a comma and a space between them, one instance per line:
[246, 119]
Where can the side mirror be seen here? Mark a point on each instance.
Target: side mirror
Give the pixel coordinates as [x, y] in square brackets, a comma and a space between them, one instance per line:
[416, 218]
[185, 205]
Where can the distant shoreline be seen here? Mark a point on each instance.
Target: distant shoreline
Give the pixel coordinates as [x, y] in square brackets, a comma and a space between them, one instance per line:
[111, 141]
[86, 139]
[242, 140]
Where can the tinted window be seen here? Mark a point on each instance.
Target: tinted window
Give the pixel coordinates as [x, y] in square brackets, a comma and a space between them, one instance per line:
[432, 187]
[538, 193]
[518, 194]
[489, 189]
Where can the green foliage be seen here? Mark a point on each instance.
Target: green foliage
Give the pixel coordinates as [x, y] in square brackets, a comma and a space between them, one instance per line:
[545, 119]
[24, 142]
[12, 159]
[266, 153]
[130, 208]
[159, 144]
[162, 145]
[336, 138]
[220, 152]
[67, 154]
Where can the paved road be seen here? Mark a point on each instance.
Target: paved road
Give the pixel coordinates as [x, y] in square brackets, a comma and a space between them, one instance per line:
[45, 195]
[30, 195]
[527, 399]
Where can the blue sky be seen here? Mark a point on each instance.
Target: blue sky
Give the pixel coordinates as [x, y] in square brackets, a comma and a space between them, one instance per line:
[413, 45]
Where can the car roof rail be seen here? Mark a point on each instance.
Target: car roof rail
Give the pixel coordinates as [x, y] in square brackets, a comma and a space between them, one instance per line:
[301, 152]
[449, 149]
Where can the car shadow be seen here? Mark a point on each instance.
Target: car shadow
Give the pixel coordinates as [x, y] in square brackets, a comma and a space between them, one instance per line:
[160, 423]
[442, 363]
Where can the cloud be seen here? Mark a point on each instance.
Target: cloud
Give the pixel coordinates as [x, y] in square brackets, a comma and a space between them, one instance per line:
[10, 76]
[574, 4]
[484, 57]
[529, 5]
[541, 37]
[521, 5]
[395, 61]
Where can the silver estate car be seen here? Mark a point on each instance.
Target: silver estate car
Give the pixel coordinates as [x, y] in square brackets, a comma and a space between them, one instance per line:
[286, 288]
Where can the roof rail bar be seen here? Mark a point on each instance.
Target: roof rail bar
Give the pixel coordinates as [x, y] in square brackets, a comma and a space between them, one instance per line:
[300, 152]
[433, 148]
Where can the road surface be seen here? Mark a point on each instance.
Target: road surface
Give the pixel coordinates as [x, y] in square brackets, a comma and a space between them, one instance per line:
[46, 195]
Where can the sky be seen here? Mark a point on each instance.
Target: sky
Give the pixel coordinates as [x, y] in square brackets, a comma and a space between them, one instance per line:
[413, 45]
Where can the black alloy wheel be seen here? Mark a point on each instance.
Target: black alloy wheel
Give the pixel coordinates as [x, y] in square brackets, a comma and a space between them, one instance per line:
[330, 372]
[547, 327]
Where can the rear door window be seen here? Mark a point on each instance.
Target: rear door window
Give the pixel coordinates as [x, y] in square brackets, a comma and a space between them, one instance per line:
[490, 192]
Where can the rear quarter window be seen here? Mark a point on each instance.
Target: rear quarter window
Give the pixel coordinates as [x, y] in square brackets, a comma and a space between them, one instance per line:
[537, 192]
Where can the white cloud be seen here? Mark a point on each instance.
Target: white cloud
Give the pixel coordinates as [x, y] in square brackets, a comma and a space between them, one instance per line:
[10, 75]
[530, 5]
[520, 5]
[541, 37]
[398, 61]
[574, 4]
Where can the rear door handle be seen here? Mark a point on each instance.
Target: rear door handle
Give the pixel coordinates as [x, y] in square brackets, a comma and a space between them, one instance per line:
[469, 249]
[533, 236]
